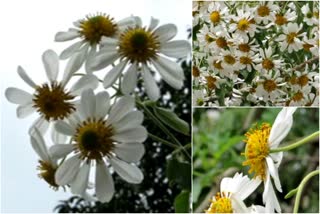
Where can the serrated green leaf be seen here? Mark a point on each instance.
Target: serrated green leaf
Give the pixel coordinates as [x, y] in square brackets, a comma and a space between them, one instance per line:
[181, 202]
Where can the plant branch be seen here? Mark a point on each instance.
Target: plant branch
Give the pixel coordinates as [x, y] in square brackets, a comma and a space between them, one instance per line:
[156, 138]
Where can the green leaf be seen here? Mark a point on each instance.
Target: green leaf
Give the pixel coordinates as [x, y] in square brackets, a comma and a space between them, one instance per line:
[169, 118]
[181, 202]
[179, 173]
[196, 190]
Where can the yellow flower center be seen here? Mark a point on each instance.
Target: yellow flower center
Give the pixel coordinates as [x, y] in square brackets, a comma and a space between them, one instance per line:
[267, 64]
[217, 65]
[257, 149]
[195, 71]
[291, 37]
[94, 139]
[298, 96]
[316, 14]
[229, 59]
[221, 42]
[243, 24]
[244, 47]
[280, 19]
[303, 80]
[263, 11]
[138, 45]
[47, 172]
[200, 101]
[269, 85]
[208, 38]
[52, 102]
[307, 46]
[211, 82]
[245, 60]
[220, 204]
[215, 17]
[93, 28]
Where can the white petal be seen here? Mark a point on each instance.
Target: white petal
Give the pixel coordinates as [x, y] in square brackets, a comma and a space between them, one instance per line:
[60, 150]
[274, 173]
[176, 49]
[153, 24]
[129, 121]
[270, 198]
[102, 60]
[18, 96]
[129, 80]
[108, 41]
[39, 145]
[51, 64]
[126, 22]
[88, 104]
[152, 88]
[113, 74]
[88, 81]
[132, 152]
[238, 205]
[130, 173]
[41, 124]
[104, 183]
[277, 158]
[25, 110]
[69, 51]
[57, 137]
[91, 54]
[65, 36]
[137, 134]
[247, 188]
[80, 183]
[102, 104]
[68, 170]
[23, 74]
[170, 71]
[64, 128]
[281, 126]
[166, 32]
[124, 105]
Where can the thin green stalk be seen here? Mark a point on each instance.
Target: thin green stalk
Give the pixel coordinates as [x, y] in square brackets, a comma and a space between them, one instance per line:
[156, 138]
[300, 188]
[305, 140]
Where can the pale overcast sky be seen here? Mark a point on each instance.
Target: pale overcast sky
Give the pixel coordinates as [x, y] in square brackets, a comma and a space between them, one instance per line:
[27, 30]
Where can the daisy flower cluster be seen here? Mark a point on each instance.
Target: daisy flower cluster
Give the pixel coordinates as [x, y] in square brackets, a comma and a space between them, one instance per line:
[97, 131]
[262, 53]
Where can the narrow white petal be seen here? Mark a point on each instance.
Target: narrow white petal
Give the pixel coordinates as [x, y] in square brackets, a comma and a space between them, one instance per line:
[135, 135]
[150, 84]
[104, 183]
[129, 81]
[23, 74]
[88, 81]
[113, 74]
[41, 124]
[68, 170]
[60, 150]
[91, 54]
[51, 64]
[102, 104]
[129, 152]
[108, 41]
[39, 145]
[80, 183]
[65, 36]
[176, 49]
[57, 137]
[247, 188]
[277, 158]
[69, 51]
[130, 173]
[166, 32]
[153, 24]
[124, 105]
[129, 121]
[274, 173]
[238, 205]
[25, 110]
[88, 104]
[102, 60]
[18, 96]
[126, 22]
[64, 128]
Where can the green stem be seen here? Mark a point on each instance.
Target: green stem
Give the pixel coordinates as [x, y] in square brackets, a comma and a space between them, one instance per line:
[156, 138]
[305, 140]
[300, 188]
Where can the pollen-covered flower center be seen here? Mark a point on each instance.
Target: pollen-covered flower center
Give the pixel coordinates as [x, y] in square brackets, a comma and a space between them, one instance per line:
[195, 71]
[291, 37]
[269, 85]
[243, 24]
[245, 60]
[280, 19]
[52, 102]
[217, 65]
[297, 96]
[221, 42]
[221, 204]
[309, 15]
[263, 11]
[267, 64]
[257, 149]
[303, 80]
[93, 28]
[138, 45]
[215, 17]
[211, 82]
[47, 172]
[307, 46]
[244, 47]
[94, 139]
[229, 59]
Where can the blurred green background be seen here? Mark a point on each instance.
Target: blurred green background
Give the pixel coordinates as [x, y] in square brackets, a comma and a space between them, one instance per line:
[218, 136]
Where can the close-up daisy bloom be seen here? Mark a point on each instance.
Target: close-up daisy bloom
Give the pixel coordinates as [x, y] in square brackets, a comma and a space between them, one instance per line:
[103, 136]
[141, 50]
[259, 141]
[53, 100]
[290, 39]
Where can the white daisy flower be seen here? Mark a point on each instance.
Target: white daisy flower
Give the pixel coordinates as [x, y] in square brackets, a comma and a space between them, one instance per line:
[205, 38]
[310, 17]
[53, 100]
[198, 98]
[268, 61]
[218, 12]
[139, 49]
[265, 11]
[233, 191]
[291, 38]
[103, 136]
[247, 60]
[90, 32]
[300, 96]
[259, 141]
[281, 19]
